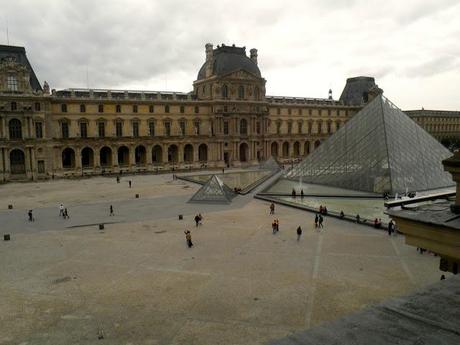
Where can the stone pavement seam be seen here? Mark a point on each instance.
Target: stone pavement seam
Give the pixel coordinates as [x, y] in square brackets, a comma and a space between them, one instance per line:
[311, 293]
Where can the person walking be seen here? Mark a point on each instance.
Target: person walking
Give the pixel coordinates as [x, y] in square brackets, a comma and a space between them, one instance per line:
[61, 210]
[272, 208]
[390, 227]
[316, 220]
[66, 214]
[129, 182]
[111, 210]
[277, 221]
[299, 233]
[188, 238]
[31, 216]
[320, 221]
[274, 226]
[200, 222]
[197, 220]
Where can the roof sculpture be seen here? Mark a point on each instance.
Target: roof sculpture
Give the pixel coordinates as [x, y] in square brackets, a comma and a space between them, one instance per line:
[379, 150]
[213, 191]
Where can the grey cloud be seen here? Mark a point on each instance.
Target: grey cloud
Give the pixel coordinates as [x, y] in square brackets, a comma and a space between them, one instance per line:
[434, 66]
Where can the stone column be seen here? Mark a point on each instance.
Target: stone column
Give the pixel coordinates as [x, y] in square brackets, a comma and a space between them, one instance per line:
[78, 158]
[165, 153]
[97, 157]
[33, 164]
[132, 155]
[114, 157]
[148, 152]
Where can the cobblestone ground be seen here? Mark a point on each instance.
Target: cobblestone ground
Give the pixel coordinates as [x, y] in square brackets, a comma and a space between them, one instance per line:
[136, 282]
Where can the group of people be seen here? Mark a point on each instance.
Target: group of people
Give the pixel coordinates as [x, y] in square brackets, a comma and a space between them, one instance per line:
[275, 226]
[319, 221]
[377, 223]
[63, 212]
[323, 210]
[294, 193]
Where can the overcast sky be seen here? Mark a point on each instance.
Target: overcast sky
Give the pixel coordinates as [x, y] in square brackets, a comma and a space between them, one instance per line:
[411, 47]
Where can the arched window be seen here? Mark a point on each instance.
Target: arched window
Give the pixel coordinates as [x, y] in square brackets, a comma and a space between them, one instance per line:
[15, 129]
[197, 109]
[118, 108]
[241, 92]
[256, 93]
[37, 106]
[225, 91]
[166, 108]
[82, 108]
[243, 127]
[64, 108]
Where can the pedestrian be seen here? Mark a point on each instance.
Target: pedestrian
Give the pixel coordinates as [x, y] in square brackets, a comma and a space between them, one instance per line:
[320, 221]
[342, 215]
[223, 171]
[293, 193]
[272, 208]
[111, 210]
[31, 216]
[118, 179]
[66, 214]
[274, 226]
[129, 182]
[277, 222]
[358, 219]
[390, 227]
[201, 219]
[299, 233]
[61, 210]
[188, 238]
[325, 210]
[316, 220]
[443, 277]
[197, 220]
[301, 193]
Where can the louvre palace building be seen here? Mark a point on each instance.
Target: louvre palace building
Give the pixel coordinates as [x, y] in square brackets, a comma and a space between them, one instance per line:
[227, 120]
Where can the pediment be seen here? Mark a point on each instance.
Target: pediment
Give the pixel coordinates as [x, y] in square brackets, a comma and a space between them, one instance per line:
[241, 74]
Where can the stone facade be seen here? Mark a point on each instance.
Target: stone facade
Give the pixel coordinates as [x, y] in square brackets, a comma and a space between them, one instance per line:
[227, 120]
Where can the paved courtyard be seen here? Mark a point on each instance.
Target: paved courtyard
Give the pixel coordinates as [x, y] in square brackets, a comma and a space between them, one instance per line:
[136, 282]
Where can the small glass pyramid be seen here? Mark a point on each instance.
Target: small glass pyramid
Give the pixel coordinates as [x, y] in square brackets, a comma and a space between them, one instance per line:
[380, 150]
[213, 191]
[270, 164]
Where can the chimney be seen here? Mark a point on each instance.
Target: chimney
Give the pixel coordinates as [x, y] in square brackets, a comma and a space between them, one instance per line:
[253, 55]
[209, 59]
[330, 94]
[452, 165]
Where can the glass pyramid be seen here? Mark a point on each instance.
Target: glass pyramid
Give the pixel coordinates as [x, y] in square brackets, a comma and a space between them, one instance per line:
[213, 191]
[379, 150]
[270, 164]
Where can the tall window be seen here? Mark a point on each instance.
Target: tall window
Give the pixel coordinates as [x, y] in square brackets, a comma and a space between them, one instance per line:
[241, 92]
[310, 112]
[278, 128]
[100, 108]
[14, 106]
[15, 129]
[37, 106]
[289, 127]
[38, 130]
[12, 83]
[196, 125]
[118, 108]
[289, 111]
[65, 129]
[278, 111]
[329, 112]
[151, 109]
[299, 127]
[225, 91]
[82, 108]
[310, 125]
[119, 129]
[258, 127]
[83, 130]
[134, 108]
[329, 127]
[243, 127]
[320, 127]
[182, 127]
[167, 128]
[64, 108]
[225, 127]
[182, 109]
[101, 129]
[256, 93]
[152, 128]
[166, 108]
[135, 129]
[197, 109]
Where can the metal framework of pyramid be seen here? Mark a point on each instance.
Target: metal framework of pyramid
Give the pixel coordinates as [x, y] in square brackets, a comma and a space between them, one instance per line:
[270, 164]
[213, 191]
[379, 150]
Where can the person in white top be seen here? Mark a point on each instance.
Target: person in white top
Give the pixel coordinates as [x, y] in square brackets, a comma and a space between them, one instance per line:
[61, 210]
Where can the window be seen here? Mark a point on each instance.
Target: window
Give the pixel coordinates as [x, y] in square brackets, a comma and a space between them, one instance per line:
[101, 129]
[101, 108]
[12, 83]
[310, 112]
[329, 112]
[329, 127]
[166, 108]
[182, 127]
[289, 111]
[196, 125]
[65, 129]
[243, 127]
[241, 92]
[256, 93]
[338, 112]
[14, 106]
[299, 127]
[320, 127]
[151, 109]
[197, 109]
[152, 128]
[225, 91]
[134, 108]
[37, 106]
[119, 129]
[278, 128]
[225, 127]
[310, 125]
[118, 108]
[182, 109]
[38, 130]
[289, 127]
[167, 128]
[83, 130]
[300, 111]
[320, 112]
[82, 108]
[41, 166]
[64, 108]
[258, 127]
[278, 111]
[15, 129]
[135, 129]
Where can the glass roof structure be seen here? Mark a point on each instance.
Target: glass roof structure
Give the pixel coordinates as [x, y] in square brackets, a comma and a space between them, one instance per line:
[379, 150]
[213, 191]
[270, 164]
